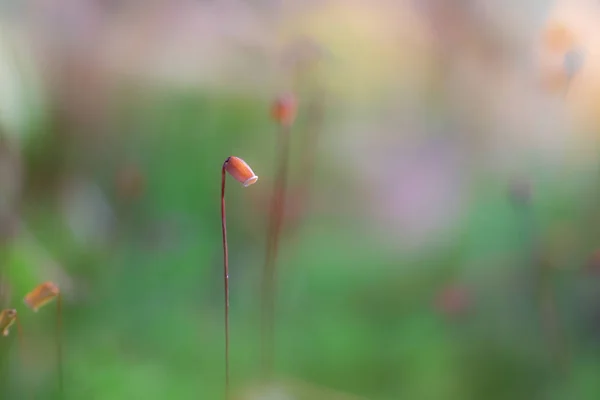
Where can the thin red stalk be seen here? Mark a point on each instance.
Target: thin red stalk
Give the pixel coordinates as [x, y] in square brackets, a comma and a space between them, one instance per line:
[21, 341]
[551, 321]
[549, 317]
[5, 365]
[20, 337]
[278, 205]
[4, 273]
[225, 278]
[59, 349]
[276, 212]
[314, 118]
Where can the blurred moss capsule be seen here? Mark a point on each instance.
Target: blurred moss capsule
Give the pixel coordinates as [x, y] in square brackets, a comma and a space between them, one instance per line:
[130, 182]
[240, 171]
[284, 109]
[557, 37]
[7, 318]
[453, 300]
[41, 295]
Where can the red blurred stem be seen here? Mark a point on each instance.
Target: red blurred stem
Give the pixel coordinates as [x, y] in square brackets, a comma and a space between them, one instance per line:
[59, 349]
[20, 338]
[269, 278]
[551, 321]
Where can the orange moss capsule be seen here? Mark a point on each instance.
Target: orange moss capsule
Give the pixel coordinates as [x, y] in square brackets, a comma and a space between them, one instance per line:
[240, 171]
[41, 295]
[7, 318]
[130, 182]
[557, 37]
[453, 300]
[284, 109]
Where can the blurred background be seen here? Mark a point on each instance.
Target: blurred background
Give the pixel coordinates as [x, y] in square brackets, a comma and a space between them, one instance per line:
[441, 237]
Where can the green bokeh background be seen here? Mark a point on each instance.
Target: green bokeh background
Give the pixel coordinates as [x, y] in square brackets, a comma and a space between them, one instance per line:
[354, 314]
